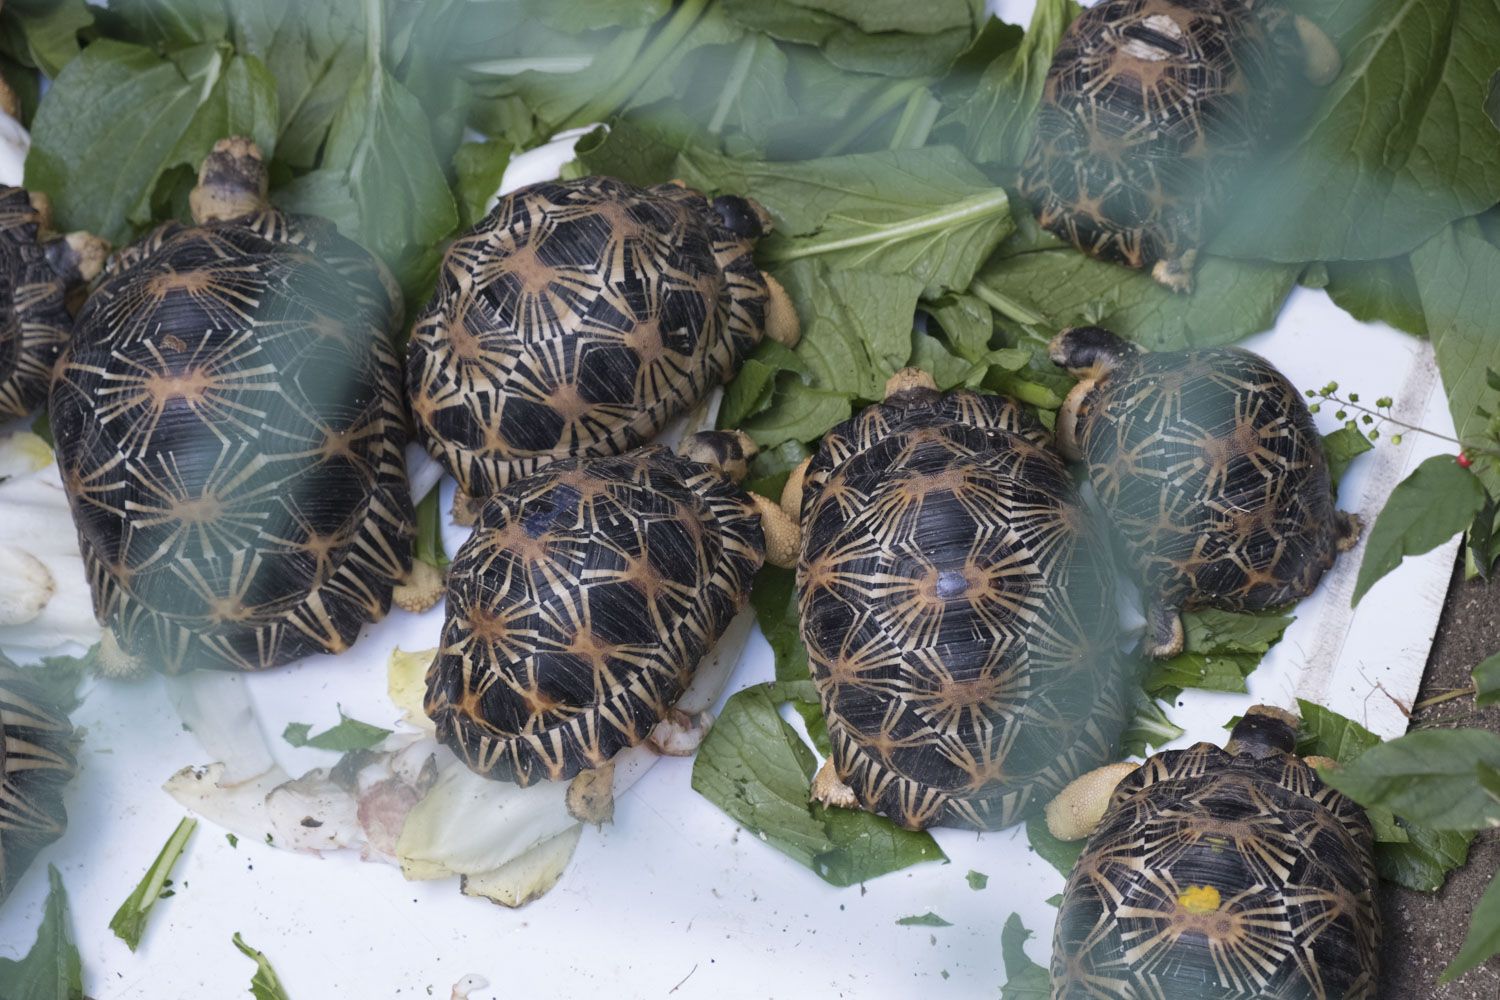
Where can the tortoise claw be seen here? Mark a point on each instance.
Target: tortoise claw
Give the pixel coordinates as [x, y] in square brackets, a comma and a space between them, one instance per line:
[829, 790]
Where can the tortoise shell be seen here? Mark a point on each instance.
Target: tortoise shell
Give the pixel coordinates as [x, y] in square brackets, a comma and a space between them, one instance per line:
[1149, 111]
[958, 610]
[578, 318]
[1221, 876]
[1211, 469]
[36, 761]
[229, 428]
[34, 318]
[581, 606]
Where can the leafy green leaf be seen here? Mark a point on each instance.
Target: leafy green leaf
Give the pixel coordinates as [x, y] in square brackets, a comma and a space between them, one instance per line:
[797, 413]
[1487, 680]
[1024, 979]
[1458, 276]
[349, 734]
[1378, 291]
[997, 115]
[753, 387]
[977, 880]
[314, 50]
[928, 919]
[263, 985]
[770, 469]
[1398, 146]
[927, 213]
[1492, 100]
[120, 117]
[1483, 940]
[856, 325]
[1060, 854]
[591, 15]
[1058, 288]
[51, 970]
[481, 167]
[1427, 776]
[1427, 508]
[876, 36]
[51, 32]
[755, 767]
[380, 181]
[1221, 650]
[1342, 447]
[129, 921]
[967, 324]
[166, 24]
[1406, 853]
[429, 540]
[1149, 729]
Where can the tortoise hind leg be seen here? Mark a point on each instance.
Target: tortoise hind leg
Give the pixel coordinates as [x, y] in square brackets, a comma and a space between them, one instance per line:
[828, 789]
[1346, 530]
[1164, 636]
[422, 588]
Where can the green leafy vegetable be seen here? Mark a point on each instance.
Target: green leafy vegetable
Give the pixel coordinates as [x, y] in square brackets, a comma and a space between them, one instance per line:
[50, 31]
[928, 919]
[1492, 100]
[1483, 939]
[1379, 291]
[877, 36]
[1024, 979]
[1222, 649]
[349, 734]
[1431, 777]
[1397, 148]
[1342, 447]
[263, 985]
[1057, 288]
[379, 179]
[429, 542]
[1487, 680]
[129, 921]
[755, 767]
[51, 970]
[1149, 729]
[1458, 276]
[997, 112]
[480, 166]
[1427, 508]
[119, 118]
[977, 880]
[1060, 854]
[1406, 853]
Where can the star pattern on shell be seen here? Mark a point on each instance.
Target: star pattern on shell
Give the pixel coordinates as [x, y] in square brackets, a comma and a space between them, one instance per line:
[957, 607]
[581, 606]
[229, 428]
[36, 761]
[1218, 876]
[34, 319]
[578, 318]
[1148, 111]
[1211, 469]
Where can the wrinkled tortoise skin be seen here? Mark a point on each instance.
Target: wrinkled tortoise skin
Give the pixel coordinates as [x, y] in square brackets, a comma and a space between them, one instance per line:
[34, 319]
[1291, 863]
[1149, 113]
[958, 610]
[581, 606]
[578, 318]
[230, 428]
[36, 761]
[1211, 469]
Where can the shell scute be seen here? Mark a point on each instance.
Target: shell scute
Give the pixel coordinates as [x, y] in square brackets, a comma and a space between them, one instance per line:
[34, 317]
[36, 761]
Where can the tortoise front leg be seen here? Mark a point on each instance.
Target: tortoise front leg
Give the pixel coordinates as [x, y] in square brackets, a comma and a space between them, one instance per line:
[1164, 636]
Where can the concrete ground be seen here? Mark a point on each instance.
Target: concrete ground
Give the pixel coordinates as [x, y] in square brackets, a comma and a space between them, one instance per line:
[1423, 932]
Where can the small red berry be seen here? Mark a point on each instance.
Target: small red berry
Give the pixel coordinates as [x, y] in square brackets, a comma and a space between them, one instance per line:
[1464, 461]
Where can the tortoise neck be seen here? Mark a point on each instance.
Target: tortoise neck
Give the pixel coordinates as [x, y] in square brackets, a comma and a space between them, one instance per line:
[1264, 731]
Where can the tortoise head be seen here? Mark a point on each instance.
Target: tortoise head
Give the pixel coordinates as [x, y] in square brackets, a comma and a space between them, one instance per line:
[743, 217]
[1089, 351]
[1263, 731]
[728, 451]
[231, 183]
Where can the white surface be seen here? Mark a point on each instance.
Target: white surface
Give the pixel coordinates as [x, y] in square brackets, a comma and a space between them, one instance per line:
[672, 899]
